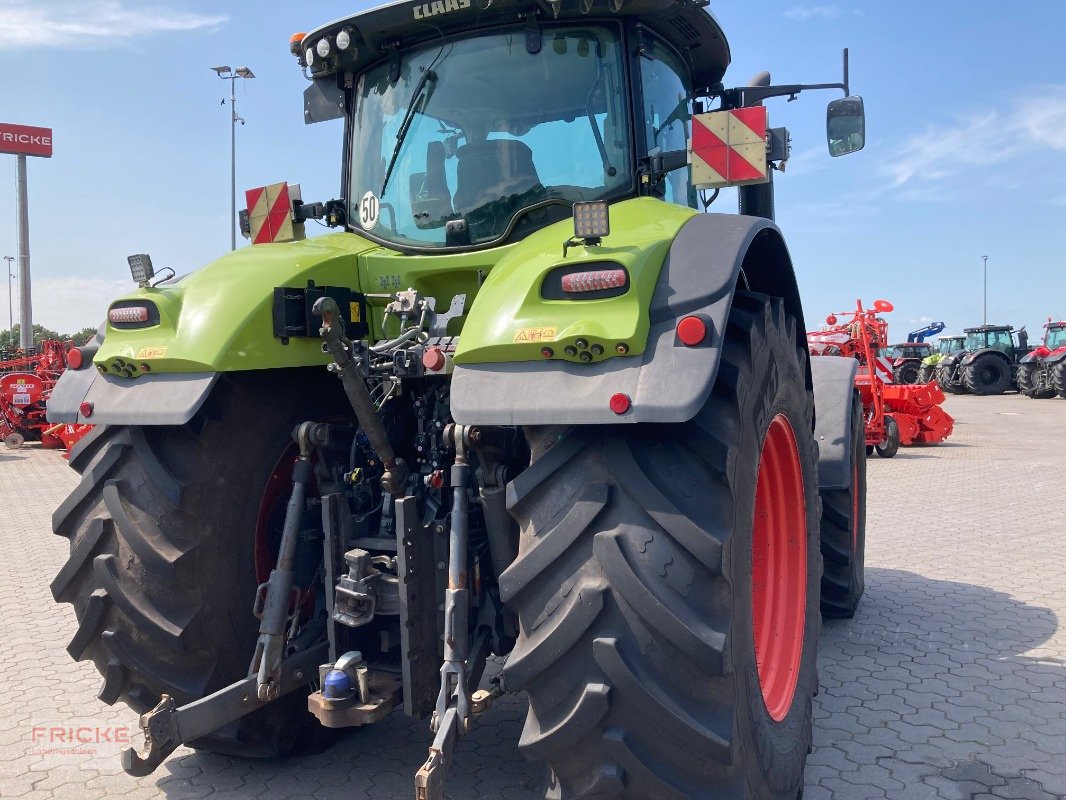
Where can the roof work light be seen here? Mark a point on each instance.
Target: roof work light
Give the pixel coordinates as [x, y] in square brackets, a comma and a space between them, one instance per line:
[141, 268]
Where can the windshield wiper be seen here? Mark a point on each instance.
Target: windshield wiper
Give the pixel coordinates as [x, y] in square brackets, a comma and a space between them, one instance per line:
[607, 168]
[418, 96]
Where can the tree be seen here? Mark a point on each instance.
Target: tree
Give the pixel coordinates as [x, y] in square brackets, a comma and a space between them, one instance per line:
[9, 339]
[82, 336]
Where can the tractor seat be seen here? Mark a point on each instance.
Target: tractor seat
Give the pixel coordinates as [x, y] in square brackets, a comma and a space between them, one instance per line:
[491, 170]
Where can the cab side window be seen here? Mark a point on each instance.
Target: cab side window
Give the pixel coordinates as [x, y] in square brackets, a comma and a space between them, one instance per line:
[665, 86]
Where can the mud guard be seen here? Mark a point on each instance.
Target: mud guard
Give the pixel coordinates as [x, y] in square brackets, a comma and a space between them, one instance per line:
[834, 387]
[161, 399]
[711, 256]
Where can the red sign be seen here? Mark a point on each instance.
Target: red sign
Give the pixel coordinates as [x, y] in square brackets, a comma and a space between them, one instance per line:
[25, 140]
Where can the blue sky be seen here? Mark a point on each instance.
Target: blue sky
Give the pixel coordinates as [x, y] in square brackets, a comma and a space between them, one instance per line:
[966, 113]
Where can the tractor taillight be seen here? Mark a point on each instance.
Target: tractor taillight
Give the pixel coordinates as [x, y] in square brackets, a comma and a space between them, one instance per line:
[128, 314]
[594, 280]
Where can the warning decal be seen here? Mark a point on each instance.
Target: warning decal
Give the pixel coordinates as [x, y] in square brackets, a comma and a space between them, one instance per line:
[728, 148]
[535, 334]
[152, 352]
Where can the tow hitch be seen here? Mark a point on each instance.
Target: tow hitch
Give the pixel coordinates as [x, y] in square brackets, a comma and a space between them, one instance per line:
[166, 726]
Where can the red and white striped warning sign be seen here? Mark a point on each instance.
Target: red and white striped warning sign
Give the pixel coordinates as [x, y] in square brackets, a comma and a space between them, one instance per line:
[270, 213]
[728, 148]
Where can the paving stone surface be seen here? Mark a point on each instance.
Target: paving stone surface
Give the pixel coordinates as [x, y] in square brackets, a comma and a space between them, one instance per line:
[950, 683]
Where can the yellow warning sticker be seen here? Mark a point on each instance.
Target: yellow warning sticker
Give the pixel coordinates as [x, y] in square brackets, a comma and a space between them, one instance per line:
[159, 351]
[535, 334]
[354, 312]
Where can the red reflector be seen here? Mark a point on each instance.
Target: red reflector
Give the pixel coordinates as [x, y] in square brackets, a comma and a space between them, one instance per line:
[594, 281]
[86, 409]
[620, 403]
[74, 358]
[128, 314]
[691, 331]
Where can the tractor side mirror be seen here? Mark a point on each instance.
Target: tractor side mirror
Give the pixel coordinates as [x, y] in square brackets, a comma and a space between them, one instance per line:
[845, 126]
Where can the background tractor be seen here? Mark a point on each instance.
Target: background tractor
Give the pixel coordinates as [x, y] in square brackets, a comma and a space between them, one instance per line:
[906, 359]
[527, 402]
[1042, 372]
[945, 346]
[988, 362]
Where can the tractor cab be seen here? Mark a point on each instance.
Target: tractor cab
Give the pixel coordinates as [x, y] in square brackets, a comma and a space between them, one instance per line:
[1054, 336]
[471, 125]
[946, 345]
[1012, 343]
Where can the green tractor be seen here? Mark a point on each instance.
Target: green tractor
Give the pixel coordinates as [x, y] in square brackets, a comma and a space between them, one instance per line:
[525, 402]
[945, 346]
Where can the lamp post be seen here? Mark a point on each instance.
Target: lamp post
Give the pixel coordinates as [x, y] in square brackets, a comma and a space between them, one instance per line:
[985, 314]
[226, 74]
[10, 312]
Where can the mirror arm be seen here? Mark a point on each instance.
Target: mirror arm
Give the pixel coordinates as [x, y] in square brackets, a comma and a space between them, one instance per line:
[752, 95]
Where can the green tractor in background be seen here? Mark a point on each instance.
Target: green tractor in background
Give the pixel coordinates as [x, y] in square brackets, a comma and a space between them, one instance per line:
[526, 402]
[945, 346]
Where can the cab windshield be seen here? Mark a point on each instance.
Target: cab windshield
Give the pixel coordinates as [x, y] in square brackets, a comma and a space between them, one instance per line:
[1056, 338]
[999, 340]
[910, 351]
[948, 346]
[487, 136]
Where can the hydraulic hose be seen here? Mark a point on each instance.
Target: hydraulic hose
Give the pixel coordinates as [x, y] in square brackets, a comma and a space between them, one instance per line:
[355, 388]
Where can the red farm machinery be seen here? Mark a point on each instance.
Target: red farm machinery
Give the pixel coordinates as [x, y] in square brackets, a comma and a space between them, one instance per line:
[26, 381]
[896, 414]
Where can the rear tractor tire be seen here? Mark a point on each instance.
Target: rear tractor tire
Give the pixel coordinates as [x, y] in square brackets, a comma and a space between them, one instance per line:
[1058, 378]
[667, 587]
[1025, 379]
[943, 377]
[988, 374]
[843, 531]
[162, 574]
[926, 374]
[907, 373]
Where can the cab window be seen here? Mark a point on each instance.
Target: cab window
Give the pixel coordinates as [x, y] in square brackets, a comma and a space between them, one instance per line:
[665, 86]
[1000, 340]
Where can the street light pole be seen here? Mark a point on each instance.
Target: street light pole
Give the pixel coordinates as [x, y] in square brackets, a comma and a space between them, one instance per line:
[10, 307]
[985, 315]
[226, 74]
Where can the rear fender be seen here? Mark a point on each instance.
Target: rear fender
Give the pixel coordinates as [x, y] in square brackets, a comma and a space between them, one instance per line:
[972, 356]
[834, 388]
[1055, 356]
[711, 256]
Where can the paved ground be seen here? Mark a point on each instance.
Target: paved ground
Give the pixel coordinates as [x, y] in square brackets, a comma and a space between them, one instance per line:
[950, 683]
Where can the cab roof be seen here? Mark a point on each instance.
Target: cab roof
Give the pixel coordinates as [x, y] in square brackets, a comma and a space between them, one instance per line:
[685, 24]
[987, 328]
